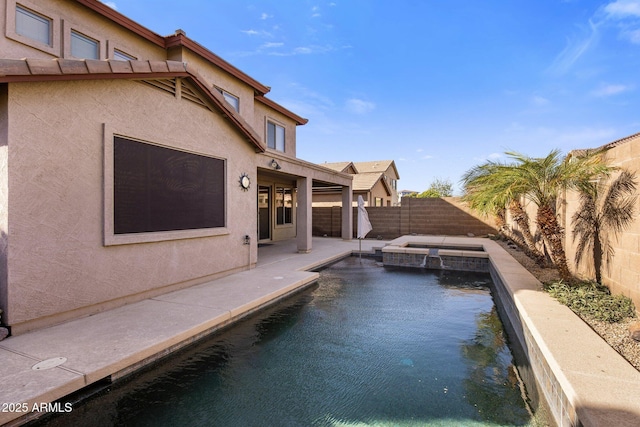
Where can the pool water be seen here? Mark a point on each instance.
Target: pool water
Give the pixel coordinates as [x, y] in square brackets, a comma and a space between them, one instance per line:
[369, 346]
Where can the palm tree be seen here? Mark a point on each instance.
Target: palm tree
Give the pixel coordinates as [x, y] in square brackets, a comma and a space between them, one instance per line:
[488, 191]
[603, 213]
[541, 180]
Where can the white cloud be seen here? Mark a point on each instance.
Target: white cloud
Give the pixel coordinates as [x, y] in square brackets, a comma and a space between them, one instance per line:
[111, 4]
[623, 8]
[265, 16]
[539, 100]
[574, 49]
[358, 106]
[610, 90]
[271, 45]
[302, 50]
[626, 15]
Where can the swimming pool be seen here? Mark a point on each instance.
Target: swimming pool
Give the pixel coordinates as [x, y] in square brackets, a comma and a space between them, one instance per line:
[369, 345]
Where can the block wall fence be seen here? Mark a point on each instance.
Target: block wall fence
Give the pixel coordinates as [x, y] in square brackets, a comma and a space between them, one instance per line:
[434, 216]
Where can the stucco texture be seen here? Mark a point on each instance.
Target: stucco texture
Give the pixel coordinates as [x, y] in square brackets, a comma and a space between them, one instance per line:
[57, 261]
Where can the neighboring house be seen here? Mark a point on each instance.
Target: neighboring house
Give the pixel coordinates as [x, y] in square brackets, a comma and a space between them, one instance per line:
[133, 164]
[376, 182]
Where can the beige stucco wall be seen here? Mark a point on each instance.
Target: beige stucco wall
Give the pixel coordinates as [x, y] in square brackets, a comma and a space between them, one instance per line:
[65, 16]
[622, 275]
[262, 113]
[57, 263]
[379, 190]
[216, 78]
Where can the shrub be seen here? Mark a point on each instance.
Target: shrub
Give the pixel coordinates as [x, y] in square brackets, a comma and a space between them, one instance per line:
[590, 299]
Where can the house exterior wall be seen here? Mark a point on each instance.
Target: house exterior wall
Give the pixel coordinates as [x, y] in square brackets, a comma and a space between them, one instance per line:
[622, 275]
[262, 114]
[65, 16]
[58, 265]
[218, 79]
[379, 191]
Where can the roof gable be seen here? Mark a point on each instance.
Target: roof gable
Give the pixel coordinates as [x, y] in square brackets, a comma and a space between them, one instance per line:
[35, 70]
[346, 167]
[377, 166]
[367, 181]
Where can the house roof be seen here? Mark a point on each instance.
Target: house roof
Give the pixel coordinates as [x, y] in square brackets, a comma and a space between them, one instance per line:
[366, 181]
[579, 152]
[180, 39]
[35, 70]
[266, 101]
[339, 166]
[376, 166]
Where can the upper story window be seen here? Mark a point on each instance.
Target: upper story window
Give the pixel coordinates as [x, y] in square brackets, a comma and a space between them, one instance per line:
[33, 25]
[233, 100]
[121, 56]
[84, 47]
[275, 136]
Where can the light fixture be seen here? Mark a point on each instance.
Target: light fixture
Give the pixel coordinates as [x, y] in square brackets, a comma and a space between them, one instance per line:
[245, 182]
[275, 164]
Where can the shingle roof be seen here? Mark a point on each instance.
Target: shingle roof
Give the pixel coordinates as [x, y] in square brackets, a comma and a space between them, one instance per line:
[337, 166]
[366, 181]
[376, 166]
[579, 152]
[32, 70]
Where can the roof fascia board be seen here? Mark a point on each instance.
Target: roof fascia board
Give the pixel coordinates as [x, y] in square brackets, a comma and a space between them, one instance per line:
[122, 20]
[181, 40]
[279, 108]
[23, 74]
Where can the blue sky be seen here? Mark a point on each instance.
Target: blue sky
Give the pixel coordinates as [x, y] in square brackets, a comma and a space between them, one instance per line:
[438, 86]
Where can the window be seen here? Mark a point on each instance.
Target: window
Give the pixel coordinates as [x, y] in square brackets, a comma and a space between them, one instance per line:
[233, 100]
[33, 25]
[84, 47]
[161, 189]
[284, 206]
[121, 56]
[275, 136]
[378, 201]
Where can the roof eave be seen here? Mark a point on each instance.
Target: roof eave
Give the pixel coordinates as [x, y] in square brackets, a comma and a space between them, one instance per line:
[279, 108]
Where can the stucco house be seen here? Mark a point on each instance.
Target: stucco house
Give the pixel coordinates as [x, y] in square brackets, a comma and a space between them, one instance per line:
[134, 164]
[375, 181]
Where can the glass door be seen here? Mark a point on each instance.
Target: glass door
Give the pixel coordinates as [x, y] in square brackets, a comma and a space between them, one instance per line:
[264, 212]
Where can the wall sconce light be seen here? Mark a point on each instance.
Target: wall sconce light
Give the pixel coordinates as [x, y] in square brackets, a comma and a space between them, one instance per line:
[275, 164]
[247, 240]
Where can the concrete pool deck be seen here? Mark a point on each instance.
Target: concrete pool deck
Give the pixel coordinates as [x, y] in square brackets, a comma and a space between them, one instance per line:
[588, 381]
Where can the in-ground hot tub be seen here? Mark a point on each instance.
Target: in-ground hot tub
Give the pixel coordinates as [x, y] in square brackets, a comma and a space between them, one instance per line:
[432, 252]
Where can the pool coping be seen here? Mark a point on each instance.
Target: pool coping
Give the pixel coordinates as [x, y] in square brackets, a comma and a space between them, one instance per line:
[583, 379]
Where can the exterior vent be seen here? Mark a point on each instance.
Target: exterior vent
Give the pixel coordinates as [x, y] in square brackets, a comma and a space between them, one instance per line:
[167, 85]
[192, 95]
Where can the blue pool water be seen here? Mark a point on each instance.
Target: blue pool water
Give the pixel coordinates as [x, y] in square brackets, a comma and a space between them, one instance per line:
[369, 346]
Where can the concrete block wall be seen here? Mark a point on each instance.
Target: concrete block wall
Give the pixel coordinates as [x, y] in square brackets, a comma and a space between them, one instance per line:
[434, 216]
